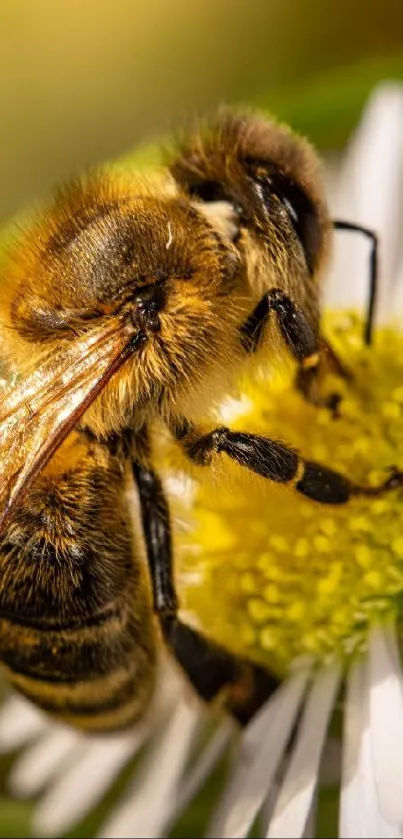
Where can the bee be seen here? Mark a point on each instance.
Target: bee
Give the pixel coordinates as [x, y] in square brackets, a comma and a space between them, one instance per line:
[130, 303]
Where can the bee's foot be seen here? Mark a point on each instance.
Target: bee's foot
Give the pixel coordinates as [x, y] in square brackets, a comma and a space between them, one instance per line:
[334, 363]
[332, 403]
[394, 481]
[307, 383]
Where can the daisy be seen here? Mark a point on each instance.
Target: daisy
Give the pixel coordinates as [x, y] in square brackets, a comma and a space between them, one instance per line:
[314, 593]
[320, 606]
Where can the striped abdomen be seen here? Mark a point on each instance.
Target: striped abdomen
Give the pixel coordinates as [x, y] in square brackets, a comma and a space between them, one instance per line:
[76, 624]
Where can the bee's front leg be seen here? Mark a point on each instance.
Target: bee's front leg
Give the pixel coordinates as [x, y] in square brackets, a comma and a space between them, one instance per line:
[212, 670]
[309, 350]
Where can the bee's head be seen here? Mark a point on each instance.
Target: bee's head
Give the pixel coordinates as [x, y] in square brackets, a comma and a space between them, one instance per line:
[271, 178]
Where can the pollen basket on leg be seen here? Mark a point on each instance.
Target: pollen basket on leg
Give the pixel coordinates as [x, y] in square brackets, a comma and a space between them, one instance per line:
[276, 576]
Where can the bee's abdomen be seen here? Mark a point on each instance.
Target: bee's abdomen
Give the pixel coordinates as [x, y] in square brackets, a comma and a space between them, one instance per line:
[76, 623]
[97, 675]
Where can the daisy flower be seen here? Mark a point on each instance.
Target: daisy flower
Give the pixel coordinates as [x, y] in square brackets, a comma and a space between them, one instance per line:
[312, 592]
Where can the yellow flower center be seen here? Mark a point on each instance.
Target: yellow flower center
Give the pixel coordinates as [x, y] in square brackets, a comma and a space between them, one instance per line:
[275, 576]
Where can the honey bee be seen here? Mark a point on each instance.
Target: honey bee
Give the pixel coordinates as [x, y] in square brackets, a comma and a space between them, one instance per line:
[129, 303]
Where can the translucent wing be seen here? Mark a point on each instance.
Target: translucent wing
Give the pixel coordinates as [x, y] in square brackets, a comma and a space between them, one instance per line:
[39, 412]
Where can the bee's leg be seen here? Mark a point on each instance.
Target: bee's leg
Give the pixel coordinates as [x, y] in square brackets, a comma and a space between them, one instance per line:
[299, 336]
[215, 672]
[276, 462]
[157, 533]
[334, 362]
[211, 669]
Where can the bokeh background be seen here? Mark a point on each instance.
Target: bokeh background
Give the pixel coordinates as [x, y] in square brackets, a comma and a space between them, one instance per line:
[82, 81]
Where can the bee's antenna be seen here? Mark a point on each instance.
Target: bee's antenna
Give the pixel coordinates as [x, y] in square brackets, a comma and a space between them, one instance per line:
[373, 272]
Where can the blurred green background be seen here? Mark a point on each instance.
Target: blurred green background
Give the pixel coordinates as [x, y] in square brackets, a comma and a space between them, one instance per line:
[82, 81]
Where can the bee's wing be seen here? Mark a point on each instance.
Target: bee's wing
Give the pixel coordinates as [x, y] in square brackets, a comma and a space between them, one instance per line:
[39, 412]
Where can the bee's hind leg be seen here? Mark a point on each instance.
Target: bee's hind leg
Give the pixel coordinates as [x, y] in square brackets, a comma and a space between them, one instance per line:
[214, 672]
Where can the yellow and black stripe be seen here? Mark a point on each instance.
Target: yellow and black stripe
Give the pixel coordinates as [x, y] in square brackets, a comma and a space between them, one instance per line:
[77, 632]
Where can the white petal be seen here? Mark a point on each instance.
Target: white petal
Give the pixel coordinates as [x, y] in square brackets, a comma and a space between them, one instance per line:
[97, 761]
[386, 722]
[261, 750]
[396, 301]
[359, 811]
[369, 193]
[38, 764]
[20, 722]
[202, 768]
[148, 805]
[268, 805]
[296, 794]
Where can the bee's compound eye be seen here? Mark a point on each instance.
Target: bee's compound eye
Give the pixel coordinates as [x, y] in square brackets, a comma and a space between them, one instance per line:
[300, 210]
